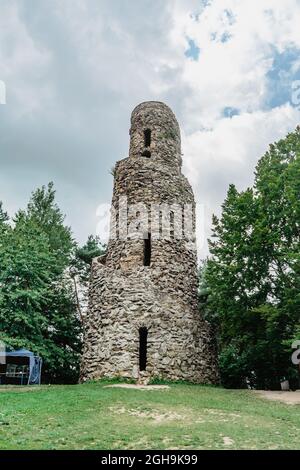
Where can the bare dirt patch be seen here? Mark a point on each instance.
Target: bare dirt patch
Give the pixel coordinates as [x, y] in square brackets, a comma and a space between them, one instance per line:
[139, 387]
[227, 441]
[290, 398]
[154, 415]
[20, 388]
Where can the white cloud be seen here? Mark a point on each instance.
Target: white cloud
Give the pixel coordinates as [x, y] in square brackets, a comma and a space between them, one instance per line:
[78, 68]
[233, 72]
[237, 41]
[23, 63]
[228, 154]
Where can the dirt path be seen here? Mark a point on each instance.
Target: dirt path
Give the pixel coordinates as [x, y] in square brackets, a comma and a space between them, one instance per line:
[139, 387]
[290, 398]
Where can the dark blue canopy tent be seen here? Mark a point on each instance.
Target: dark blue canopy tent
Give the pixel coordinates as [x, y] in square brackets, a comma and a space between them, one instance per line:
[20, 367]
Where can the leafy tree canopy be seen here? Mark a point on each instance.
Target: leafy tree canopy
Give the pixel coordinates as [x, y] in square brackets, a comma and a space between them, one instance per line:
[250, 287]
[37, 303]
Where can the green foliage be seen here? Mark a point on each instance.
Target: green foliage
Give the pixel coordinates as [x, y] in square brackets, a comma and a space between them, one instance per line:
[112, 171]
[37, 305]
[252, 281]
[84, 255]
[80, 271]
[3, 216]
[232, 367]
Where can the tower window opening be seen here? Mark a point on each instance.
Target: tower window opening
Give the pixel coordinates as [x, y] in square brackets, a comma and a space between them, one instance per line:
[172, 225]
[147, 138]
[143, 332]
[147, 250]
[146, 153]
[160, 224]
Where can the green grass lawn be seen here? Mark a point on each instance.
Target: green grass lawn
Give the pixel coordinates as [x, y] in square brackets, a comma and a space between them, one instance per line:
[91, 416]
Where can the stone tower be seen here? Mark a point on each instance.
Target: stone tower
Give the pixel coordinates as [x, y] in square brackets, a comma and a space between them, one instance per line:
[143, 320]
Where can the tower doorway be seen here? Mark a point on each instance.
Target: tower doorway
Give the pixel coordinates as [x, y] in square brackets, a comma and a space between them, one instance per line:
[143, 332]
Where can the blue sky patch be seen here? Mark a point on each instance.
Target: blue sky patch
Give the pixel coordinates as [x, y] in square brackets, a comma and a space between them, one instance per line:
[223, 37]
[229, 112]
[196, 15]
[193, 50]
[229, 16]
[281, 76]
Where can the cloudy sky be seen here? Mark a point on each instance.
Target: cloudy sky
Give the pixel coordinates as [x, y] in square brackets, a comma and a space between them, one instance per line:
[74, 69]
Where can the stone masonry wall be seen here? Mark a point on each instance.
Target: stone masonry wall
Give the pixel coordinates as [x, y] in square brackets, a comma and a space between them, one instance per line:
[124, 294]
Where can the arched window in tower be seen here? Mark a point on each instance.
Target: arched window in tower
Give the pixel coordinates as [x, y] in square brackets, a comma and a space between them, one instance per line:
[143, 332]
[147, 250]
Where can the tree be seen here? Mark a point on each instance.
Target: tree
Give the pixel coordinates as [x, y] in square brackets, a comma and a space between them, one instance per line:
[3, 216]
[80, 271]
[37, 302]
[252, 277]
[84, 256]
[43, 211]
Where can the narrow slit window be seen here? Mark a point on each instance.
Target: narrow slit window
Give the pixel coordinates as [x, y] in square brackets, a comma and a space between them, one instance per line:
[147, 250]
[146, 153]
[160, 223]
[143, 332]
[172, 225]
[147, 138]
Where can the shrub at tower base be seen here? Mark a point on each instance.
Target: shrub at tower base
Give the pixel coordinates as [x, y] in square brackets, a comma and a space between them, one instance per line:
[250, 287]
